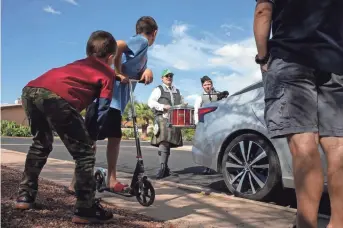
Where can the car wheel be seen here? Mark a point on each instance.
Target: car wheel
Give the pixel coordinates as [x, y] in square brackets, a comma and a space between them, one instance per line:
[251, 167]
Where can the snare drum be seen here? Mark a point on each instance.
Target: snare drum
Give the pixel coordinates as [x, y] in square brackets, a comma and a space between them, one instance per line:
[181, 117]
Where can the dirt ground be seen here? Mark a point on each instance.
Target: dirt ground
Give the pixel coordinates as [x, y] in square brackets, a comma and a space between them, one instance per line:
[55, 207]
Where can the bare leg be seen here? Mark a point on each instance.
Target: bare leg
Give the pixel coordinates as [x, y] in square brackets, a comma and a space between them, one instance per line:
[72, 184]
[308, 177]
[333, 147]
[113, 146]
[112, 152]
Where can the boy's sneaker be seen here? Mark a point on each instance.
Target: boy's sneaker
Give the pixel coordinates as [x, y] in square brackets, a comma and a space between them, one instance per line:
[95, 214]
[25, 200]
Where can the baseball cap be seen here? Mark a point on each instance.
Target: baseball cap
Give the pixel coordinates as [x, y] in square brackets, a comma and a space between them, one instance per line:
[166, 72]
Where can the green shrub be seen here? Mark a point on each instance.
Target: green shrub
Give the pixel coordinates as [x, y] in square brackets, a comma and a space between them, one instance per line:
[11, 128]
[188, 134]
[151, 133]
[128, 133]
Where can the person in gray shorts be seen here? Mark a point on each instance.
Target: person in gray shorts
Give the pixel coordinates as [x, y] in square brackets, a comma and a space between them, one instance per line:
[302, 99]
[302, 71]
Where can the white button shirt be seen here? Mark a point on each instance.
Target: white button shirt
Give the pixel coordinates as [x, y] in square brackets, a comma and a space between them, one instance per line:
[156, 94]
[197, 105]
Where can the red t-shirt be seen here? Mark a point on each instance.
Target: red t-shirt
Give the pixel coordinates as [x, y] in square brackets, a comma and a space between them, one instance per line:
[78, 82]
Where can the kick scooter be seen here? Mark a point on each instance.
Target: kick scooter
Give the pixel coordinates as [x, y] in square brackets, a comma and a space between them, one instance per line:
[140, 186]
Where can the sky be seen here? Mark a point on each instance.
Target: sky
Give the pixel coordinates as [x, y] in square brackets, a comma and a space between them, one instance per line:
[195, 38]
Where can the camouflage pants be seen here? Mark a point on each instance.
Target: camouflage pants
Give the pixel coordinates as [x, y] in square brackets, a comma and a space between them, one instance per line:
[47, 111]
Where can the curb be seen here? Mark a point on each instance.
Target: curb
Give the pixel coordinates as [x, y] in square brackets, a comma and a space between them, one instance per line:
[21, 153]
[187, 148]
[210, 193]
[57, 137]
[186, 143]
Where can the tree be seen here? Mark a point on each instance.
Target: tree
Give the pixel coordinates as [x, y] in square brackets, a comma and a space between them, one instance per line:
[144, 115]
[127, 111]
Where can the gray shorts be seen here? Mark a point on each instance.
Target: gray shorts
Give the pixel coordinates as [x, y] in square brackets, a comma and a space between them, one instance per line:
[300, 99]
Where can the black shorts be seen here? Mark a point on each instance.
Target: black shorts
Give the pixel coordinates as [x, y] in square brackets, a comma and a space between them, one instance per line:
[299, 99]
[112, 125]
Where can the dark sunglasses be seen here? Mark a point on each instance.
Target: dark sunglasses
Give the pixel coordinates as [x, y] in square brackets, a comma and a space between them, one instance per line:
[169, 76]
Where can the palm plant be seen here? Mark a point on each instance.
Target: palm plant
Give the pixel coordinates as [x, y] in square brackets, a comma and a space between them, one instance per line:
[144, 115]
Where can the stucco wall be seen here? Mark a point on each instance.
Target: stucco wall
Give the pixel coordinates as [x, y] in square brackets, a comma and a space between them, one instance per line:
[14, 113]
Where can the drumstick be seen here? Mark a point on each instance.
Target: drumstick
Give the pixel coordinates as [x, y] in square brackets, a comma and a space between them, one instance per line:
[213, 93]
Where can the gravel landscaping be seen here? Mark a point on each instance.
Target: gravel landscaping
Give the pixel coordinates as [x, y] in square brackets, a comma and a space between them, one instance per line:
[55, 207]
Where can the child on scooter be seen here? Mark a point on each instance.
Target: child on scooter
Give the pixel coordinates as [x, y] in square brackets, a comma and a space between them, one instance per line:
[130, 62]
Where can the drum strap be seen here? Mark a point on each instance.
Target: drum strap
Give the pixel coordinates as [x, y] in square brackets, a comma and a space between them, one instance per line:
[171, 96]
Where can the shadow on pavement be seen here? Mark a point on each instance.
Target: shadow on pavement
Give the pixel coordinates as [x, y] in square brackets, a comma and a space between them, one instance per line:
[287, 198]
[185, 208]
[214, 181]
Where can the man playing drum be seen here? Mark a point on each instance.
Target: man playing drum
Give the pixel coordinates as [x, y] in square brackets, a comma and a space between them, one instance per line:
[165, 137]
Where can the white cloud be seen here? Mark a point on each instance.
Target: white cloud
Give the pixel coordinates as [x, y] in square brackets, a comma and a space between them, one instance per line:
[237, 56]
[190, 99]
[51, 10]
[231, 83]
[231, 63]
[235, 82]
[73, 2]
[231, 26]
[184, 52]
[179, 30]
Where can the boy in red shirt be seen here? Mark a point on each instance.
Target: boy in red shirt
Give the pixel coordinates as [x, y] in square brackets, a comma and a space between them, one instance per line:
[54, 101]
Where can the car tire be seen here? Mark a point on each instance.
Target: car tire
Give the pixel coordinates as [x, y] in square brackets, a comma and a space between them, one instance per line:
[261, 181]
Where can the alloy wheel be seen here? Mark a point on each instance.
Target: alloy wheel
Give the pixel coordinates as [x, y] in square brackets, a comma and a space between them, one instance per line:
[247, 166]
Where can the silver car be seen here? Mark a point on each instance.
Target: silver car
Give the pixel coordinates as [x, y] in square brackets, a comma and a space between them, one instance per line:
[231, 138]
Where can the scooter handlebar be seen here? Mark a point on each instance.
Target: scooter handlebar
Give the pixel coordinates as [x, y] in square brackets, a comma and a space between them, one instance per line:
[132, 80]
[139, 81]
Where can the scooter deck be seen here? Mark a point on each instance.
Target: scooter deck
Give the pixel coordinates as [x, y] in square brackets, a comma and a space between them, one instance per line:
[126, 194]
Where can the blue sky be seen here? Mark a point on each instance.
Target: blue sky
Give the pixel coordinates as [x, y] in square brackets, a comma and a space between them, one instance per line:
[194, 39]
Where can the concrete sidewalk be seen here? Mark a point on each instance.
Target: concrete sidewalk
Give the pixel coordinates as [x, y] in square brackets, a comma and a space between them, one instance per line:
[172, 204]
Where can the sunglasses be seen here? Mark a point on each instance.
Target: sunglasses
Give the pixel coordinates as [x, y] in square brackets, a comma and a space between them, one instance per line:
[169, 76]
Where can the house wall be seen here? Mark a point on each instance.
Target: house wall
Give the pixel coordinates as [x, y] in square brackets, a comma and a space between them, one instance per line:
[14, 113]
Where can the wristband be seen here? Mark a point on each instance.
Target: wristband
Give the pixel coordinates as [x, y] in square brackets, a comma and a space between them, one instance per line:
[262, 61]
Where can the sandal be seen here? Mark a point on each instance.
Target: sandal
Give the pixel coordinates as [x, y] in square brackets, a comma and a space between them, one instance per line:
[120, 188]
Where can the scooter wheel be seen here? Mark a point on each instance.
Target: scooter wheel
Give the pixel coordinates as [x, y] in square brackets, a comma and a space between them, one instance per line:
[99, 178]
[145, 193]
